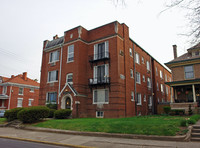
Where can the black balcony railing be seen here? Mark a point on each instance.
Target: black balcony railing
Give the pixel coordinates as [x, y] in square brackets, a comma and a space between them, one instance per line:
[99, 81]
[99, 57]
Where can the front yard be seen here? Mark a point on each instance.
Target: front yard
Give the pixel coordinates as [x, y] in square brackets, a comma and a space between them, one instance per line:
[2, 120]
[144, 125]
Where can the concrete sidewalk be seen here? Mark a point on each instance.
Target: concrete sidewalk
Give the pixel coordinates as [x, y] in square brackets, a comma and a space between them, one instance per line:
[88, 141]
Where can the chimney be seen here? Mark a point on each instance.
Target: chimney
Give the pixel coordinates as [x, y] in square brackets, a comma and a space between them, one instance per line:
[24, 76]
[175, 51]
[55, 37]
[12, 76]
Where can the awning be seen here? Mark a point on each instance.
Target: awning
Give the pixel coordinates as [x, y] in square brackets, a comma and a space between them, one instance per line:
[3, 97]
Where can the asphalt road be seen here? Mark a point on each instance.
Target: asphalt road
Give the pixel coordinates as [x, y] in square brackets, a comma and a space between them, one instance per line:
[9, 143]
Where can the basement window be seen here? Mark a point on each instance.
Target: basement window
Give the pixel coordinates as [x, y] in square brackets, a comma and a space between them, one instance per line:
[99, 114]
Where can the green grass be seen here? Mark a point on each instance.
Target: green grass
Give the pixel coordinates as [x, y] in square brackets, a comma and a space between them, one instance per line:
[2, 120]
[144, 125]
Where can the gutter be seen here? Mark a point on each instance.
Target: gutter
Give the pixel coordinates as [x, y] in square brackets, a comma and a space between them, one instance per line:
[60, 72]
[134, 80]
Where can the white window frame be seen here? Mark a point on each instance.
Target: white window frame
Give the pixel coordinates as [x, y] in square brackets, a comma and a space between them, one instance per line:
[47, 94]
[32, 89]
[139, 99]
[95, 71]
[131, 71]
[96, 90]
[19, 99]
[138, 78]
[189, 72]
[148, 66]
[157, 86]
[70, 53]
[30, 101]
[54, 56]
[132, 96]
[156, 71]
[101, 116]
[143, 78]
[22, 91]
[145, 98]
[67, 78]
[137, 58]
[142, 60]
[165, 77]
[161, 74]
[150, 101]
[4, 91]
[162, 88]
[106, 50]
[131, 52]
[167, 91]
[148, 82]
[54, 80]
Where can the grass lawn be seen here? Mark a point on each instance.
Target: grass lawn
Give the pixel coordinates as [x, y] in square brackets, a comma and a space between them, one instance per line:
[145, 125]
[2, 120]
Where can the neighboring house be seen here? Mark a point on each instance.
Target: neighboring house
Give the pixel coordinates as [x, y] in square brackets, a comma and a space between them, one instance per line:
[186, 78]
[101, 73]
[18, 91]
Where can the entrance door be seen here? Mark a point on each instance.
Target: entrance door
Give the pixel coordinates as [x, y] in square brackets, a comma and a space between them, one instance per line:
[68, 103]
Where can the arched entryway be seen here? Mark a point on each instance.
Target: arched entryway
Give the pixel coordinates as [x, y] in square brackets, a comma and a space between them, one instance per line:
[67, 102]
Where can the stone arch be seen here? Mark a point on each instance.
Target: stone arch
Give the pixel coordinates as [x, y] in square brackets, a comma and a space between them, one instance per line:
[67, 98]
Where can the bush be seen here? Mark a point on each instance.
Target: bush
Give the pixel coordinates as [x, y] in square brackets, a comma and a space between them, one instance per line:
[183, 123]
[195, 117]
[33, 114]
[191, 121]
[11, 114]
[167, 109]
[62, 113]
[52, 106]
[177, 112]
[51, 113]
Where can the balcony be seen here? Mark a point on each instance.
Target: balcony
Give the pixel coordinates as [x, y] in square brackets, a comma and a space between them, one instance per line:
[99, 81]
[103, 56]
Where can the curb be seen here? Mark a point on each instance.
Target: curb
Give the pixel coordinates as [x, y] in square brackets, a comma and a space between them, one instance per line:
[99, 134]
[46, 142]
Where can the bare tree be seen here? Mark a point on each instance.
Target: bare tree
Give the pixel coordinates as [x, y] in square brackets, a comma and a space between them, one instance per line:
[193, 16]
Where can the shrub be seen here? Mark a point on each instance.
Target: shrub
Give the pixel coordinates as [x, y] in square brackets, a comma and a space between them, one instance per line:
[167, 109]
[177, 112]
[51, 113]
[183, 123]
[191, 121]
[33, 114]
[52, 106]
[11, 114]
[62, 113]
[195, 117]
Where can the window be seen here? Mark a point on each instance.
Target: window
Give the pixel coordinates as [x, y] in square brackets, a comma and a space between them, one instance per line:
[53, 76]
[70, 55]
[19, 102]
[137, 58]
[51, 97]
[161, 75]
[131, 52]
[167, 90]
[101, 50]
[189, 72]
[148, 66]
[100, 96]
[157, 87]
[131, 71]
[161, 88]
[163, 100]
[150, 101]
[54, 56]
[21, 91]
[132, 96]
[4, 90]
[145, 98]
[165, 77]
[156, 71]
[158, 100]
[101, 74]
[149, 82]
[143, 78]
[138, 78]
[69, 78]
[30, 102]
[99, 114]
[139, 100]
[142, 60]
[31, 89]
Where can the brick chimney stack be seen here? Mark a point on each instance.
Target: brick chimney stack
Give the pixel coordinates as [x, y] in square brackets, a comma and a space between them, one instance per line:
[175, 51]
[24, 76]
[12, 76]
[55, 37]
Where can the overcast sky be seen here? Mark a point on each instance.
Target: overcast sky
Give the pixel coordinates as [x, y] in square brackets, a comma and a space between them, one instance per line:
[25, 24]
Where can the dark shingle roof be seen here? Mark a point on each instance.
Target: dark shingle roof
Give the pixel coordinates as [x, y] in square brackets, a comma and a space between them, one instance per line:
[55, 42]
[195, 47]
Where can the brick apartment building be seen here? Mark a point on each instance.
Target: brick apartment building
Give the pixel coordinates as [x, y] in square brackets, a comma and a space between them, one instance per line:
[101, 73]
[18, 91]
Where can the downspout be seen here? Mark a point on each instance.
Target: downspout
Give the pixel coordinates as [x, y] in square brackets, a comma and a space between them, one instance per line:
[134, 79]
[10, 97]
[60, 73]
[152, 96]
[125, 69]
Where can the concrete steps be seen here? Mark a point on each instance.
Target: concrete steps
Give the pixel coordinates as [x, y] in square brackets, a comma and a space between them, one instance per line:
[195, 136]
[15, 123]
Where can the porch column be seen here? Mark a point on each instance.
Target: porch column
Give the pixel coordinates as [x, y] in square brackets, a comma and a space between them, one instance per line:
[171, 94]
[194, 94]
[175, 92]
